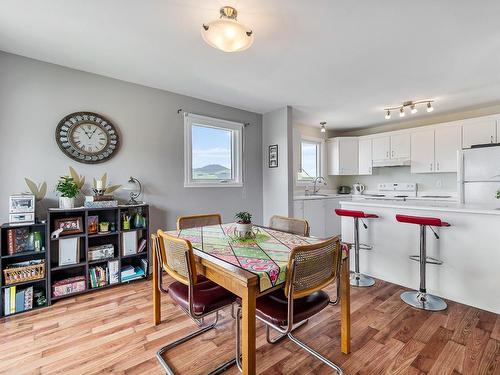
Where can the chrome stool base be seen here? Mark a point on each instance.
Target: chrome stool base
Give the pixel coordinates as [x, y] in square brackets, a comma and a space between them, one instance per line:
[358, 279]
[424, 301]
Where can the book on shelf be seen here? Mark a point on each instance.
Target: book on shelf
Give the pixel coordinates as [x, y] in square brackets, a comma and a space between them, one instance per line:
[142, 245]
[113, 272]
[144, 265]
[17, 240]
[137, 274]
[127, 271]
[99, 198]
[98, 276]
[17, 300]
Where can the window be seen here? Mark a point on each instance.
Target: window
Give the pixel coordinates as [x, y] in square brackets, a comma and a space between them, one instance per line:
[310, 161]
[213, 152]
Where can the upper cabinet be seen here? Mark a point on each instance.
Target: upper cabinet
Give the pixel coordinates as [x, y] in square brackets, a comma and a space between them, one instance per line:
[400, 146]
[447, 141]
[435, 150]
[365, 156]
[422, 151]
[479, 131]
[381, 148]
[343, 156]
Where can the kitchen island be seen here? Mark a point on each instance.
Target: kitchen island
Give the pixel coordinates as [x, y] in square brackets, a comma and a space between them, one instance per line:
[470, 248]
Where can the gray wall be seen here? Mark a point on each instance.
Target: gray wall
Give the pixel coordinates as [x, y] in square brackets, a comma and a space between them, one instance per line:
[34, 96]
[278, 182]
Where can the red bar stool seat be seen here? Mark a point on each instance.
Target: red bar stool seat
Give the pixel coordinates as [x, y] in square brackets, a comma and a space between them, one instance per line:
[357, 278]
[421, 299]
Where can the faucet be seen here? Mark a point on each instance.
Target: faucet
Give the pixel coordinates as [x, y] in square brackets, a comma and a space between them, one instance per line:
[316, 180]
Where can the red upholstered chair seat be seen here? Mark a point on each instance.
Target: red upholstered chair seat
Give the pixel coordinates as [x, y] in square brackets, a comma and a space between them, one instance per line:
[422, 220]
[273, 307]
[208, 296]
[352, 213]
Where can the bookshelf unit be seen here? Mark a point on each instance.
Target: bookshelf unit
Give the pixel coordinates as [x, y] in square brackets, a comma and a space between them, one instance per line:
[6, 259]
[84, 266]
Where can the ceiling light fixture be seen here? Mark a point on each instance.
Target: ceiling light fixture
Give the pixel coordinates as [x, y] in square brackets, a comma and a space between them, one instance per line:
[413, 107]
[226, 33]
[323, 129]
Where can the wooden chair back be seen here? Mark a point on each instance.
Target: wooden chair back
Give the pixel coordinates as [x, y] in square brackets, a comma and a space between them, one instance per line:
[290, 225]
[192, 221]
[313, 267]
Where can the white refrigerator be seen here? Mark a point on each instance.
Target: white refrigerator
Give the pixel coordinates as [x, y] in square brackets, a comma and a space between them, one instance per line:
[479, 175]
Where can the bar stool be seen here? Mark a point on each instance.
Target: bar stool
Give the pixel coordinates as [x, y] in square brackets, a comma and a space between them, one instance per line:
[421, 299]
[357, 278]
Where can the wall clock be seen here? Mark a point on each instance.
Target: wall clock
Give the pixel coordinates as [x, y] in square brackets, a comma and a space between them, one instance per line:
[87, 137]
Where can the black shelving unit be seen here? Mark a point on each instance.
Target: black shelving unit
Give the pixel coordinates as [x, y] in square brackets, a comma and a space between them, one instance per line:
[113, 214]
[7, 259]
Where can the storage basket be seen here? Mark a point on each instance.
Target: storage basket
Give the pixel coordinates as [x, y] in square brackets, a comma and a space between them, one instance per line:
[31, 272]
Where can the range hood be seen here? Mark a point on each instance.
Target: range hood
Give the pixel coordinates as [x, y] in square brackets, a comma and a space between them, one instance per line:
[402, 162]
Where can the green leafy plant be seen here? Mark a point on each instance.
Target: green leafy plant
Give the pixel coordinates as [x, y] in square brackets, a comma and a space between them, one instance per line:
[243, 217]
[38, 191]
[498, 194]
[67, 187]
[107, 189]
[79, 180]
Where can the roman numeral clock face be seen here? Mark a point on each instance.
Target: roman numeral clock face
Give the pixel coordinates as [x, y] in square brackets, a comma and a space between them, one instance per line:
[87, 137]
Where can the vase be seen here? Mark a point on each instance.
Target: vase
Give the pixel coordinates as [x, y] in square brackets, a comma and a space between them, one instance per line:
[66, 203]
[244, 230]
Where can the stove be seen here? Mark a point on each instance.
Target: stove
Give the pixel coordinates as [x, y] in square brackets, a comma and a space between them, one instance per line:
[397, 191]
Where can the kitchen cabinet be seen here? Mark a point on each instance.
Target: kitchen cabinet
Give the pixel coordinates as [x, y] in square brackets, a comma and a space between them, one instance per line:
[381, 148]
[365, 157]
[314, 213]
[422, 151]
[400, 146]
[332, 220]
[479, 131]
[447, 142]
[343, 156]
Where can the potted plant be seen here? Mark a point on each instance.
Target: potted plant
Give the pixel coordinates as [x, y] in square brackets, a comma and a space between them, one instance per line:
[498, 194]
[244, 224]
[68, 189]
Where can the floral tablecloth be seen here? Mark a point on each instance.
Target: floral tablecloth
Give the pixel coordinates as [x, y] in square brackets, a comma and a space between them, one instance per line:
[265, 256]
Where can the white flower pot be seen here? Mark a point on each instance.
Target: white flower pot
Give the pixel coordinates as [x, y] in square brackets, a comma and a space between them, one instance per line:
[244, 230]
[66, 203]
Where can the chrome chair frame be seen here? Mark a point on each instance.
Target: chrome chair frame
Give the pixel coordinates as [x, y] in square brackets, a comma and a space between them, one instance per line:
[287, 331]
[198, 319]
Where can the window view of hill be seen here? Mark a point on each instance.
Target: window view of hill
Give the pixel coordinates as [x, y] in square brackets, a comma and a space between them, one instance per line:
[212, 172]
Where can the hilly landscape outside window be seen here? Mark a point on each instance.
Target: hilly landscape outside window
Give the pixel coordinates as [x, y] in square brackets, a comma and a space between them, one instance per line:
[211, 153]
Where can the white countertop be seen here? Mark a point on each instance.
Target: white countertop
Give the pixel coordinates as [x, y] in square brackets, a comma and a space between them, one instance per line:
[320, 196]
[449, 206]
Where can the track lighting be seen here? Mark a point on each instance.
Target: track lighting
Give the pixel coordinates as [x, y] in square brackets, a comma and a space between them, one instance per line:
[413, 107]
[323, 129]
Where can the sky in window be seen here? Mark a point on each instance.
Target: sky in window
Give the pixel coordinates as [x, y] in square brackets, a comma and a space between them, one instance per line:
[211, 146]
[309, 159]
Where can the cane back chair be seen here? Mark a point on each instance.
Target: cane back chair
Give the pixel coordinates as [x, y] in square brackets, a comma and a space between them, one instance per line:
[192, 221]
[195, 294]
[310, 269]
[289, 225]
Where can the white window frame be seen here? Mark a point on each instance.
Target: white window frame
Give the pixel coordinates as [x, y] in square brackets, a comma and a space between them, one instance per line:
[236, 129]
[320, 157]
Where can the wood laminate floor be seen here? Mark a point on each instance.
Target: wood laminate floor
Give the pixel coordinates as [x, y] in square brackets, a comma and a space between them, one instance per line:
[111, 331]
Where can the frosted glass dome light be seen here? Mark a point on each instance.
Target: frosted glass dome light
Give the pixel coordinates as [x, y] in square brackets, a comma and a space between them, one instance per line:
[226, 33]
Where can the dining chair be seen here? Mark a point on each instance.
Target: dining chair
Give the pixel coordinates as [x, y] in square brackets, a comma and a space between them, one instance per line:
[196, 295]
[310, 269]
[192, 221]
[290, 225]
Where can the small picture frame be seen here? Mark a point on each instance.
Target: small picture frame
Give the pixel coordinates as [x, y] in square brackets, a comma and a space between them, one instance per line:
[92, 224]
[69, 225]
[273, 156]
[21, 203]
[69, 251]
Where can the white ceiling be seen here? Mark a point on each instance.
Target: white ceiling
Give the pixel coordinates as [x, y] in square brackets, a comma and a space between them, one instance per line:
[340, 61]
